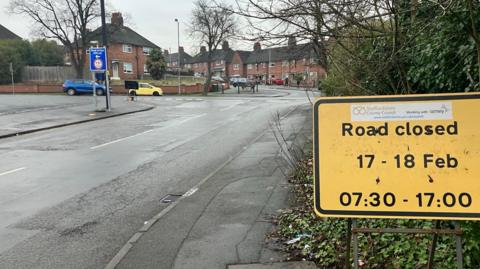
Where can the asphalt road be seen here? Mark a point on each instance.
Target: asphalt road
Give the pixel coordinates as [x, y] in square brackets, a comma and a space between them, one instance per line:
[71, 197]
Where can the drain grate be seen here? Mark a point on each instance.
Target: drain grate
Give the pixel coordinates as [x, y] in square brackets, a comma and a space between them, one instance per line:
[170, 198]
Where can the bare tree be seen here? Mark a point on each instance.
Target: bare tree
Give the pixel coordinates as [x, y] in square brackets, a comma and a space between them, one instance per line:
[67, 21]
[211, 25]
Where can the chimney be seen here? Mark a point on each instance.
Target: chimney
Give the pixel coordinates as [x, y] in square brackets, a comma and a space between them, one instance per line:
[165, 52]
[203, 49]
[292, 41]
[117, 19]
[257, 46]
[181, 50]
[225, 45]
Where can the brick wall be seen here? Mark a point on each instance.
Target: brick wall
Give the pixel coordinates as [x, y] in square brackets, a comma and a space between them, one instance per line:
[116, 89]
[198, 88]
[32, 88]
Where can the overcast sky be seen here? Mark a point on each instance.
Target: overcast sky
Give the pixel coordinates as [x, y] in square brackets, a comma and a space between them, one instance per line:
[154, 19]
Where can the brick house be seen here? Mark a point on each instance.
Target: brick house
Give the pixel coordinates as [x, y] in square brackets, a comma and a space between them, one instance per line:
[284, 62]
[264, 64]
[127, 50]
[221, 60]
[7, 34]
[173, 61]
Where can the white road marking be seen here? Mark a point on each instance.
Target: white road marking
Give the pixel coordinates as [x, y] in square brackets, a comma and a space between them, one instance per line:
[121, 139]
[190, 192]
[191, 118]
[12, 171]
[228, 107]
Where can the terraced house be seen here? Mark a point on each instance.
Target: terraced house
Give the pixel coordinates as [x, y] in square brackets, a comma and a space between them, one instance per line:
[127, 50]
[221, 61]
[291, 62]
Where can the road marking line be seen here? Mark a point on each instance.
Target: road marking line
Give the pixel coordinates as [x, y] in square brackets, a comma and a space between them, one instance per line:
[190, 192]
[121, 139]
[191, 118]
[228, 107]
[12, 171]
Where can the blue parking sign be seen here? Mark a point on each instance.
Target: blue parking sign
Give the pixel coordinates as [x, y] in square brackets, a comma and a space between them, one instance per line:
[98, 59]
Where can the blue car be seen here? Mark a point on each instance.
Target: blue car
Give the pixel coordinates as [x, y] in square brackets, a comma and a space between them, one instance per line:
[79, 86]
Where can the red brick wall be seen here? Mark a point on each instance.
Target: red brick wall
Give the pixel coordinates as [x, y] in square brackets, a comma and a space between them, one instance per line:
[116, 89]
[32, 88]
[120, 89]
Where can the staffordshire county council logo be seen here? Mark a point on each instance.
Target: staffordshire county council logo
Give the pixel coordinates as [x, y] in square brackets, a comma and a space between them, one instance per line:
[359, 110]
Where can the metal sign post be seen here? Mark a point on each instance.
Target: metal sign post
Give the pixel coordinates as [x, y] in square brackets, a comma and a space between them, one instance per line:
[94, 84]
[98, 64]
[457, 232]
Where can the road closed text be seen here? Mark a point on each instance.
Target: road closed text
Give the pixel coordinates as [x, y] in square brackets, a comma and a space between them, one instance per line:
[407, 129]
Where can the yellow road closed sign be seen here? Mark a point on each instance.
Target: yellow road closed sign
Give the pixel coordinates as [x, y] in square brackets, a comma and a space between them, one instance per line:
[412, 156]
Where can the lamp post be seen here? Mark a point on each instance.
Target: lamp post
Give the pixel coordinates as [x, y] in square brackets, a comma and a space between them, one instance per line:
[104, 41]
[178, 57]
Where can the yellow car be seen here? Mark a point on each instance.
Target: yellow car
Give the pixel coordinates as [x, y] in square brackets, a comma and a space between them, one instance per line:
[146, 89]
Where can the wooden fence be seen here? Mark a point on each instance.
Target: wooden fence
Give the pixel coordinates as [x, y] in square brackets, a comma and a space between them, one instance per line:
[48, 73]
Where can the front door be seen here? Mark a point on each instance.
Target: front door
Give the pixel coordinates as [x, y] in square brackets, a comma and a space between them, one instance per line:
[115, 70]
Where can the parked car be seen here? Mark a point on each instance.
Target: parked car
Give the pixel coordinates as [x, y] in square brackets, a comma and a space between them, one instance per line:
[277, 81]
[146, 89]
[239, 81]
[79, 86]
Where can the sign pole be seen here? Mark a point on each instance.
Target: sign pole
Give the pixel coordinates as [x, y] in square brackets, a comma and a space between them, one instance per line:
[348, 264]
[94, 90]
[355, 244]
[458, 244]
[431, 254]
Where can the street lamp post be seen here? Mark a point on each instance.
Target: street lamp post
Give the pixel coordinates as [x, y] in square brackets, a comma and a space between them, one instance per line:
[178, 57]
[104, 41]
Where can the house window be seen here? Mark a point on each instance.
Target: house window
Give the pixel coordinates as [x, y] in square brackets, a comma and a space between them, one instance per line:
[236, 67]
[147, 50]
[312, 60]
[249, 66]
[284, 63]
[272, 64]
[127, 48]
[145, 69]
[127, 68]
[264, 65]
[218, 62]
[304, 60]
